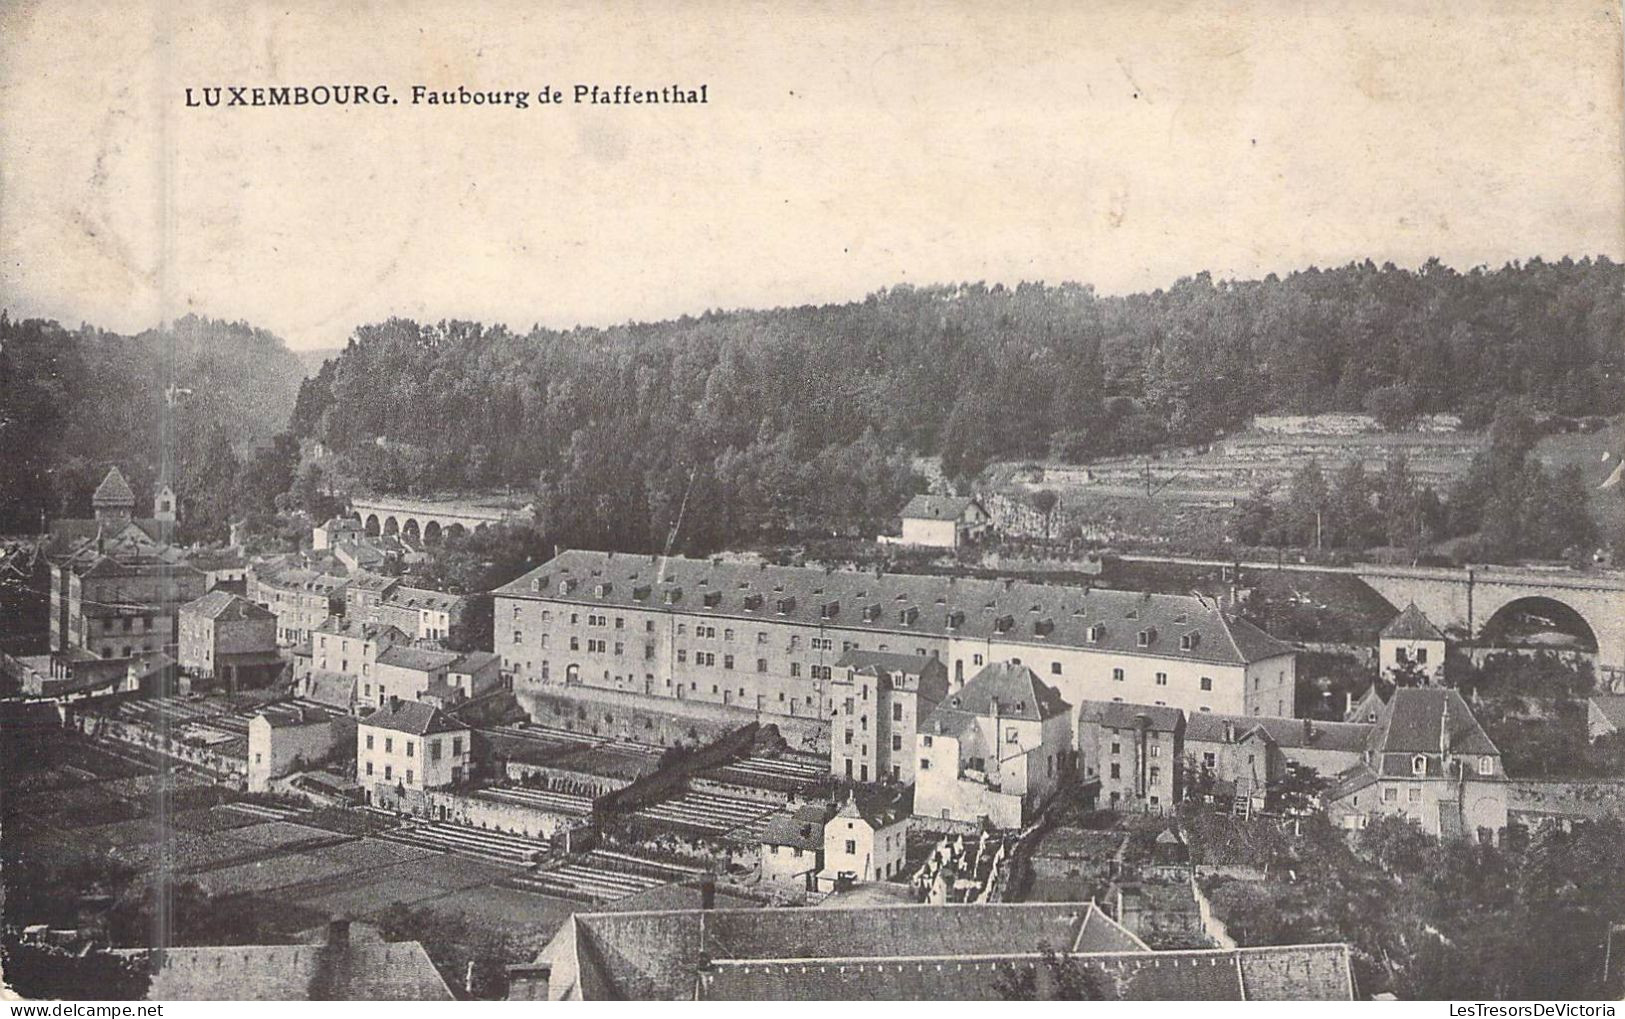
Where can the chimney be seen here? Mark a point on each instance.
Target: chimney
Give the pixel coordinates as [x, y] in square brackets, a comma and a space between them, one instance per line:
[1444, 727]
[338, 932]
[1229, 732]
[1308, 730]
[394, 703]
[528, 981]
[708, 892]
[1348, 704]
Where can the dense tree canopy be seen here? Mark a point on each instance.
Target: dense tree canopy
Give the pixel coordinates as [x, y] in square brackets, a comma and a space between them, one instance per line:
[73, 403]
[700, 429]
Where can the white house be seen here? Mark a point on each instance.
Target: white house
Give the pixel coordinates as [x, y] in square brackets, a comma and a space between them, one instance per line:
[281, 738]
[405, 745]
[943, 521]
[1412, 639]
[864, 842]
[792, 847]
[994, 750]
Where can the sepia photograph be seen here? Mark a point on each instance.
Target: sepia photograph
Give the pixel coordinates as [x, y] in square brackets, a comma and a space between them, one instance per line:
[1075, 500]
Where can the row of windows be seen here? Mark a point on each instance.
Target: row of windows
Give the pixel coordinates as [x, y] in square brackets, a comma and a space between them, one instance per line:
[411, 747]
[389, 773]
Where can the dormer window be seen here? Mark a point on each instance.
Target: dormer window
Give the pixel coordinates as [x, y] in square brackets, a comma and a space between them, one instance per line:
[713, 599]
[829, 610]
[566, 586]
[1419, 764]
[1145, 637]
[640, 593]
[674, 595]
[753, 602]
[1043, 627]
[786, 606]
[1486, 765]
[908, 615]
[601, 591]
[1096, 633]
[1004, 624]
[1188, 641]
[956, 620]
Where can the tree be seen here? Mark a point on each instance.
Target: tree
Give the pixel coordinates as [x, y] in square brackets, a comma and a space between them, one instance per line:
[1055, 977]
[1394, 406]
[1044, 501]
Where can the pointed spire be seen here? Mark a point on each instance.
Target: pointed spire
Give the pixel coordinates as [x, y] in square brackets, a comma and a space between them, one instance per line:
[114, 491]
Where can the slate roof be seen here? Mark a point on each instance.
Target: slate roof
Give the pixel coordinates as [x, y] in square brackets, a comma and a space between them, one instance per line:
[1118, 715]
[113, 491]
[363, 971]
[1180, 627]
[299, 579]
[422, 598]
[1611, 706]
[1411, 624]
[1002, 688]
[802, 828]
[1414, 718]
[404, 656]
[474, 661]
[340, 626]
[413, 717]
[937, 507]
[920, 952]
[225, 607]
[1288, 733]
[890, 661]
[332, 688]
[364, 581]
[879, 808]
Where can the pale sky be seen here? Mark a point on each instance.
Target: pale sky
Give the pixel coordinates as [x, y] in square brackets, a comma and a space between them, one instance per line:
[845, 148]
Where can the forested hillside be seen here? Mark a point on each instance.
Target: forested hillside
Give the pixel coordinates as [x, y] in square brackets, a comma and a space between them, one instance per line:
[72, 402]
[797, 416]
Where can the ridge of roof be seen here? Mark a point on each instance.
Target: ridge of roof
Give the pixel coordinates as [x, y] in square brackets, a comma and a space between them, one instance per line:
[1146, 624]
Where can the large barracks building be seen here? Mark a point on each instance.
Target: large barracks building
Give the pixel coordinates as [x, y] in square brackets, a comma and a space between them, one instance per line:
[767, 638]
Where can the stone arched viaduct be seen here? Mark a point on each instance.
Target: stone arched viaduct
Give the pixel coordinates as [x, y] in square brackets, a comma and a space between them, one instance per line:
[1469, 598]
[426, 520]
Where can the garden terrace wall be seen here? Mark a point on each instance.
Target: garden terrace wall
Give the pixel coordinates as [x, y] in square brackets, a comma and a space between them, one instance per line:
[662, 721]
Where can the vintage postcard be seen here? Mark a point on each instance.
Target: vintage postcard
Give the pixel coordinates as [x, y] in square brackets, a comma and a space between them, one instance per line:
[720, 500]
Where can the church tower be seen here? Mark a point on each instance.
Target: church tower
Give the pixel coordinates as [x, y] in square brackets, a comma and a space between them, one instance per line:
[113, 502]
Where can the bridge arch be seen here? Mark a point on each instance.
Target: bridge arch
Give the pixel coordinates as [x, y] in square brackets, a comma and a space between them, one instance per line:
[432, 532]
[456, 530]
[391, 526]
[1540, 621]
[410, 531]
[371, 525]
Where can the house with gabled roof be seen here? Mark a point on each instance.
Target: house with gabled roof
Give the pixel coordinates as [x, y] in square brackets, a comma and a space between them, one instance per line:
[994, 750]
[1429, 761]
[1136, 753]
[227, 637]
[866, 840]
[902, 952]
[408, 747]
[943, 521]
[767, 638]
[876, 701]
[1411, 641]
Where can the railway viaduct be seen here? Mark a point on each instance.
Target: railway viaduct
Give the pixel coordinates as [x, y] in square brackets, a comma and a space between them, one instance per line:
[1476, 599]
[429, 520]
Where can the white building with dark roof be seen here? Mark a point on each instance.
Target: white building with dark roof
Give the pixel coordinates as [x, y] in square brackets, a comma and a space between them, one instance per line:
[994, 750]
[1410, 640]
[1429, 761]
[405, 745]
[767, 638]
[943, 521]
[876, 701]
